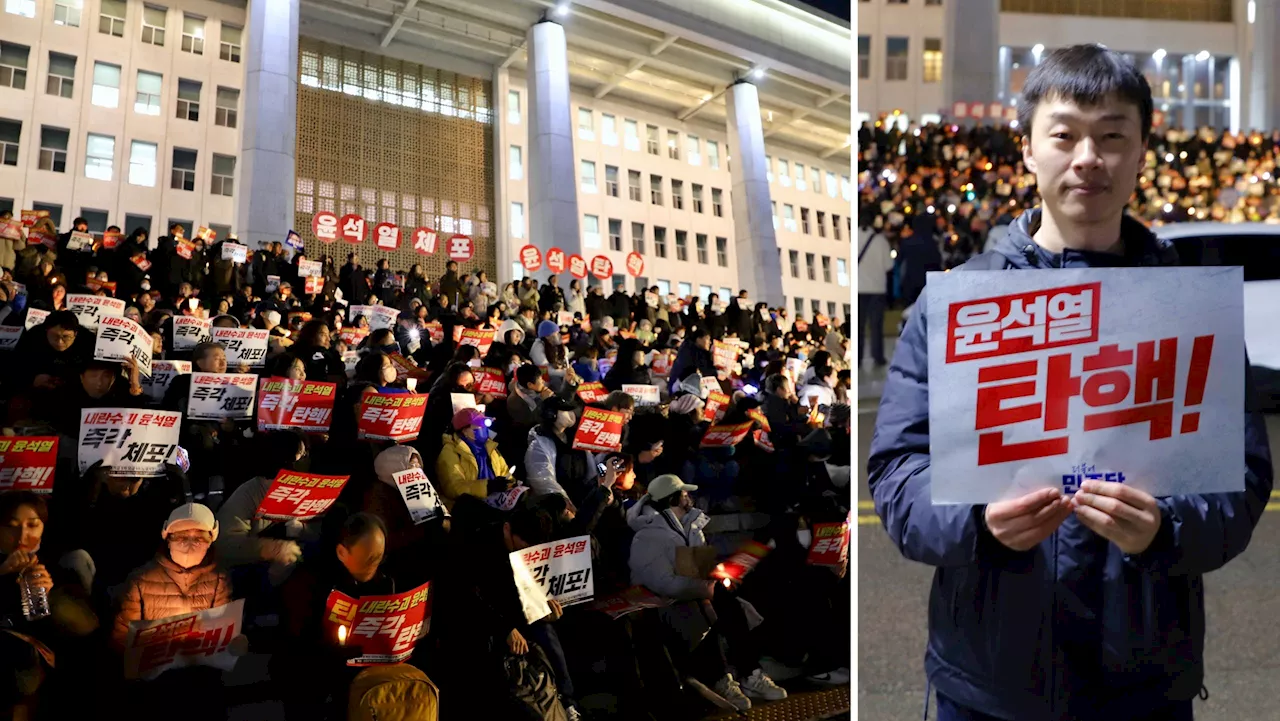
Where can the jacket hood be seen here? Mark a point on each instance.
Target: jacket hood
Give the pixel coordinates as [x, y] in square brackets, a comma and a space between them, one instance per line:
[393, 460]
[1141, 247]
[508, 325]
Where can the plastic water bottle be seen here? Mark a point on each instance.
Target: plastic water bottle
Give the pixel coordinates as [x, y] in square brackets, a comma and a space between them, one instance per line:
[35, 599]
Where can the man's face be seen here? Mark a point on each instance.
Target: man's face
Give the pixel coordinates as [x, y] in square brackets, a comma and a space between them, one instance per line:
[363, 558]
[704, 342]
[60, 338]
[215, 362]
[97, 382]
[1086, 159]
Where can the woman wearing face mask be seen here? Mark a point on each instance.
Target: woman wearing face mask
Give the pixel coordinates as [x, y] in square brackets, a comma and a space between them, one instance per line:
[551, 464]
[468, 458]
[312, 346]
[376, 370]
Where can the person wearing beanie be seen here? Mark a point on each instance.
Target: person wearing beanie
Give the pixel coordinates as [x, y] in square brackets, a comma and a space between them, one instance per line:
[549, 352]
[468, 459]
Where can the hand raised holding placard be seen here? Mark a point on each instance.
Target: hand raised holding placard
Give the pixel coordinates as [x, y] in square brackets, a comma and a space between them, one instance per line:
[1121, 514]
[1022, 523]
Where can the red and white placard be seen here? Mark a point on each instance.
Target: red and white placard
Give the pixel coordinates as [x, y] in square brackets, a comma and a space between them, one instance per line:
[297, 496]
[89, 308]
[530, 258]
[555, 260]
[602, 267]
[461, 248]
[386, 236]
[577, 266]
[425, 241]
[599, 431]
[351, 228]
[27, 463]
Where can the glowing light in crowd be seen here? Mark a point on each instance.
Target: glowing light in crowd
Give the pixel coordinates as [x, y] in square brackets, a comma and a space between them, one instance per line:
[1158, 55]
[951, 208]
[1013, 124]
[1183, 155]
[1168, 158]
[342, 634]
[893, 254]
[929, 210]
[1168, 208]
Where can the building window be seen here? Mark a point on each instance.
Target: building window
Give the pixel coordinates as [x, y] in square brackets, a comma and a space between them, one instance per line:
[789, 217]
[831, 184]
[808, 266]
[822, 224]
[794, 256]
[799, 307]
[515, 161]
[684, 289]
[184, 170]
[815, 306]
[773, 211]
[784, 172]
[682, 245]
[842, 273]
[10, 137]
[815, 177]
[106, 85]
[67, 12]
[513, 107]
[932, 60]
[692, 151]
[804, 221]
[142, 164]
[713, 155]
[96, 220]
[928, 3]
[651, 138]
[13, 65]
[846, 188]
[826, 269]
[148, 99]
[153, 24]
[192, 34]
[895, 58]
[586, 124]
[189, 99]
[228, 101]
[591, 231]
[609, 129]
[615, 234]
[700, 241]
[224, 174]
[768, 167]
[111, 18]
[717, 207]
[697, 198]
[800, 184]
[53, 149]
[100, 151]
[835, 226]
[633, 184]
[25, 8]
[588, 170]
[62, 73]
[677, 194]
[517, 220]
[673, 145]
[611, 180]
[655, 189]
[659, 241]
[864, 57]
[637, 237]
[897, 2]
[230, 43]
[722, 252]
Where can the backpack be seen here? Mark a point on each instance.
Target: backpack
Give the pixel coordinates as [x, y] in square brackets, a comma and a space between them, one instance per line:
[532, 687]
[393, 693]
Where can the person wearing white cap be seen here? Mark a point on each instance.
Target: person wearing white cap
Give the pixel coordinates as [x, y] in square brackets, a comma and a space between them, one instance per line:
[182, 577]
[665, 520]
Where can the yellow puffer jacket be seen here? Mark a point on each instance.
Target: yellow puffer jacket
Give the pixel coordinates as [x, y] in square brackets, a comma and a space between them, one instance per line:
[456, 469]
[161, 588]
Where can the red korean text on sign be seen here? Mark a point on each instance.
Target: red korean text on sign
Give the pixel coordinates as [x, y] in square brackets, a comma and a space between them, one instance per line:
[635, 264]
[185, 248]
[1023, 322]
[717, 405]
[351, 228]
[391, 417]
[312, 284]
[742, 562]
[425, 241]
[602, 267]
[490, 382]
[294, 495]
[555, 260]
[725, 436]
[27, 463]
[481, 338]
[724, 356]
[600, 431]
[977, 110]
[530, 258]
[386, 236]
[461, 248]
[830, 545]
[592, 392]
[577, 266]
[194, 639]
[304, 405]
[384, 628]
[1142, 380]
[324, 225]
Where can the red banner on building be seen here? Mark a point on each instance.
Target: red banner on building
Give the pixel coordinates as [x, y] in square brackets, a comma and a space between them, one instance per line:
[299, 496]
[599, 431]
[391, 417]
[305, 405]
[27, 463]
[384, 628]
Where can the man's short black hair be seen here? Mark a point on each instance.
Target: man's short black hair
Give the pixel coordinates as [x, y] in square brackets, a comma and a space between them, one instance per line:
[359, 525]
[527, 375]
[1085, 75]
[62, 319]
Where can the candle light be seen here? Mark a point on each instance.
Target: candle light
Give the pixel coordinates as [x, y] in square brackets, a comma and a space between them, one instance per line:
[342, 635]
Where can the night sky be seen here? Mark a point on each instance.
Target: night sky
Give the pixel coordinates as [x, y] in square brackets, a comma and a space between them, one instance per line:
[839, 8]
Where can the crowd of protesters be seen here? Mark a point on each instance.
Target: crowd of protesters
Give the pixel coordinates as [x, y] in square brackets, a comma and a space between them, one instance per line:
[112, 550]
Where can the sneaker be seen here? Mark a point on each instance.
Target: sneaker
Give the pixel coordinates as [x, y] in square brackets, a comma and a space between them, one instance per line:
[759, 685]
[732, 692]
[834, 677]
[712, 697]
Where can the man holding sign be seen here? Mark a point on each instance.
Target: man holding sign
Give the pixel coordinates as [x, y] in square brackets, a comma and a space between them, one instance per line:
[1065, 587]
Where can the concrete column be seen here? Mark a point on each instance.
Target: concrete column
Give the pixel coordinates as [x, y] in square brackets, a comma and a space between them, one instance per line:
[503, 252]
[268, 123]
[1189, 67]
[551, 168]
[755, 243]
[1264, 73]
[970, 48]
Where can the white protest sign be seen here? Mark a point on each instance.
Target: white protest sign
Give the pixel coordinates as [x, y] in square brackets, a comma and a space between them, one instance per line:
[309, 269]
[162, 375]
[533, 600]
[200, 638]
[235, 252]
[131, 441]
[379, 316]
[35, 317]
[463, 400]
[189, 331]
[645, 395]
[245, 346]
[121, 338]
[79, 241]
[419, 495]
[561, 569]
[215, 396]
[89, 308]
[709, 384]
[9, 336]
[1046, 380]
